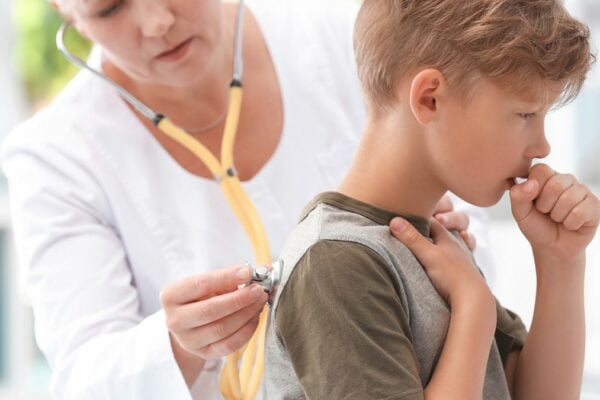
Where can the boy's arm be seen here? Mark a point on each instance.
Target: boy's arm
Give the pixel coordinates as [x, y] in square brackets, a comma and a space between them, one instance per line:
[342, 322]
[550, 366]
[559, 217]
[461, 370]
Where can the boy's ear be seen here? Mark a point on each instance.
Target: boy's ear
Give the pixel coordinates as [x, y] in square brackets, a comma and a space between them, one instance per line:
[425, 90]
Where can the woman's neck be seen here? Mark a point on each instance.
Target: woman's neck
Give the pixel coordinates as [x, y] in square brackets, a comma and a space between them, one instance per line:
[191, 106]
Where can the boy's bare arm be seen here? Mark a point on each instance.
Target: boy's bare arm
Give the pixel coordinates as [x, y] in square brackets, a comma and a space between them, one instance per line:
[559, 217]
[460, 372]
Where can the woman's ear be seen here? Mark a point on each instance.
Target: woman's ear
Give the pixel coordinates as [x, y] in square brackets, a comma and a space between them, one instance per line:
[66, 12]
[425, 90]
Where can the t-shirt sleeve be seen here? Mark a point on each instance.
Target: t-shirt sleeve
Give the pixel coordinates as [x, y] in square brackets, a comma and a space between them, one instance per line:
[511, 333]
[343, 324]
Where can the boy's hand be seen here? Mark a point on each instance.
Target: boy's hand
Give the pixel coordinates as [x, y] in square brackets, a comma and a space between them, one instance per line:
[448, 264]
[558, 215]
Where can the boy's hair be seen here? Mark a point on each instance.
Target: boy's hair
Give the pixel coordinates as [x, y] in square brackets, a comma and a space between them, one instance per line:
[518, 44]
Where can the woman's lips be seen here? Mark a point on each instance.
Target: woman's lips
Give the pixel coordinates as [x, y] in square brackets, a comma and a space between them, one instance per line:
[176, 53]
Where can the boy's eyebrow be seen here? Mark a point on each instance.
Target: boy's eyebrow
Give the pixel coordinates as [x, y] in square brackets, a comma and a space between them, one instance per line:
[533, 106]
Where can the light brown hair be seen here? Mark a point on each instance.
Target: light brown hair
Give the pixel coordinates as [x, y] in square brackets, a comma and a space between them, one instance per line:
[517, 44]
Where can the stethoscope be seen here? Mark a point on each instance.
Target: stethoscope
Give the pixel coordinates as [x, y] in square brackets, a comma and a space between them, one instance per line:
[242, 383]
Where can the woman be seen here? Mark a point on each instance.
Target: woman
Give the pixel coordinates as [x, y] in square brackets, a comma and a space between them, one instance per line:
[109, 213]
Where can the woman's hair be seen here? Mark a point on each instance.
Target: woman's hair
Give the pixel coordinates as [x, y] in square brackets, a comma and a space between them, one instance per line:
[521, 45]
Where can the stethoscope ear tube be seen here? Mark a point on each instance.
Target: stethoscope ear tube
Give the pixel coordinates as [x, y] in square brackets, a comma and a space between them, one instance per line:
[131, 99]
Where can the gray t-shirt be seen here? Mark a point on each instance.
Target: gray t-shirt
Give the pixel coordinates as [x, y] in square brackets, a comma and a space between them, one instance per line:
[356, 317]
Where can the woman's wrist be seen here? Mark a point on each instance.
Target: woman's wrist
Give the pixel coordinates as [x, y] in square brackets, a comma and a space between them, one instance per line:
[189, 364]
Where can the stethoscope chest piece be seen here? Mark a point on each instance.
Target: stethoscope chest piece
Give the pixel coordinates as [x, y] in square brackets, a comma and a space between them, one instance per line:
[267, 278]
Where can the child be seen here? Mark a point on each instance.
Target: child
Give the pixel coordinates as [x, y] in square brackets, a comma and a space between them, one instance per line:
[457, 92]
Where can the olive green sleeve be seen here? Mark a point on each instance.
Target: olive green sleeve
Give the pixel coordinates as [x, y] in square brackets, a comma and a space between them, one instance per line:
[510, 332]
[342, 322]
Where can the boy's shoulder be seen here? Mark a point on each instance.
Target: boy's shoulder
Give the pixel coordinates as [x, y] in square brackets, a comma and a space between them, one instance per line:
[344, 274]
[339, 236]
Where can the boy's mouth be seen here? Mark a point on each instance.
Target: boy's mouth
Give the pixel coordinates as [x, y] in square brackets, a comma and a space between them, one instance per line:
[515, 181]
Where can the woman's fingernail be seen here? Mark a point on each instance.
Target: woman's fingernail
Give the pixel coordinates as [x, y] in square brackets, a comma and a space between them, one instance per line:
[442, 218]
[243, 274]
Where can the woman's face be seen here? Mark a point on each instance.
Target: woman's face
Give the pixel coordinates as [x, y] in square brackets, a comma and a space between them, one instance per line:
[159, 41]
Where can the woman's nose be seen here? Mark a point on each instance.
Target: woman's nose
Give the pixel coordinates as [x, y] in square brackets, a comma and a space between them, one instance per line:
[154, 17]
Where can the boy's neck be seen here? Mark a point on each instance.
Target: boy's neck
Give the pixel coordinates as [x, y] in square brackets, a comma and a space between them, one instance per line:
[392, 170]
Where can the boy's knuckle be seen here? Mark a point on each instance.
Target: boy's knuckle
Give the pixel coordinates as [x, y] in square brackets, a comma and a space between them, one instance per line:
[173, 323]
[411, 236]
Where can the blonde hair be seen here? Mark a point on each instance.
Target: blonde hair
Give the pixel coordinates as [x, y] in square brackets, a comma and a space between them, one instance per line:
[518, 44]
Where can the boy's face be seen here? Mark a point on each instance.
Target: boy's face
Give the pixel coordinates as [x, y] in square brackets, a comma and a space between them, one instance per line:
[483, 143]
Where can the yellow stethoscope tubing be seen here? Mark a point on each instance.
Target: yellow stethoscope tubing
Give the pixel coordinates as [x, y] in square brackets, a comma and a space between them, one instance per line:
[234, 384]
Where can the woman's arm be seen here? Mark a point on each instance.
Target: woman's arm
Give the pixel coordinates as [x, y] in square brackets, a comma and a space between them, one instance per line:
[88, 318]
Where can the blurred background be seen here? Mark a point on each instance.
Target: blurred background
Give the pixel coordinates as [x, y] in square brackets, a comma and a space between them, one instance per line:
[32, 72]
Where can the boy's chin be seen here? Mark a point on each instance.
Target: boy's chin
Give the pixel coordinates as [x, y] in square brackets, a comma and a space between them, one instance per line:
[483, 199]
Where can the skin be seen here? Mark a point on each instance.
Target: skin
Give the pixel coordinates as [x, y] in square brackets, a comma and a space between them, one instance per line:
[206, 315]
[445, 139]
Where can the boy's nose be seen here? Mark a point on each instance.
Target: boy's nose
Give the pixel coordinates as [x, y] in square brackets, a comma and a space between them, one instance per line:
[154, 18]
[540, 148]
[543, 148]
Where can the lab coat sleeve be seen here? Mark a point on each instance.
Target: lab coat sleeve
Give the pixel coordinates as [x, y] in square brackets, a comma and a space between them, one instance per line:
[84, 298]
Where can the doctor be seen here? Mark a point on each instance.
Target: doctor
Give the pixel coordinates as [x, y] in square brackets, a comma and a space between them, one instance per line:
[125, 237]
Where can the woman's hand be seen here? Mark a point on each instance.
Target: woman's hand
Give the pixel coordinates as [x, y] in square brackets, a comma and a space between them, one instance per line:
[449, 265]
[454, 220]
[208, 317]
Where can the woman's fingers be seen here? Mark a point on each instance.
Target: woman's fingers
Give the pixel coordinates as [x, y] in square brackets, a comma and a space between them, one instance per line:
[211, 310]
[454, 220]
[469, 240]
[204, 286]
[444, 205]
[231, 343]
[208, 315]
[199, 338]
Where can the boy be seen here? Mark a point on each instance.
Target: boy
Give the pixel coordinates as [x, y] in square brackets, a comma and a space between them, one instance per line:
[457, 92]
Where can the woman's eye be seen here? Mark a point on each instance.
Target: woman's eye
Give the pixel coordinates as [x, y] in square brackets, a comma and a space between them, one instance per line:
[526, 116]
[110, 10]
